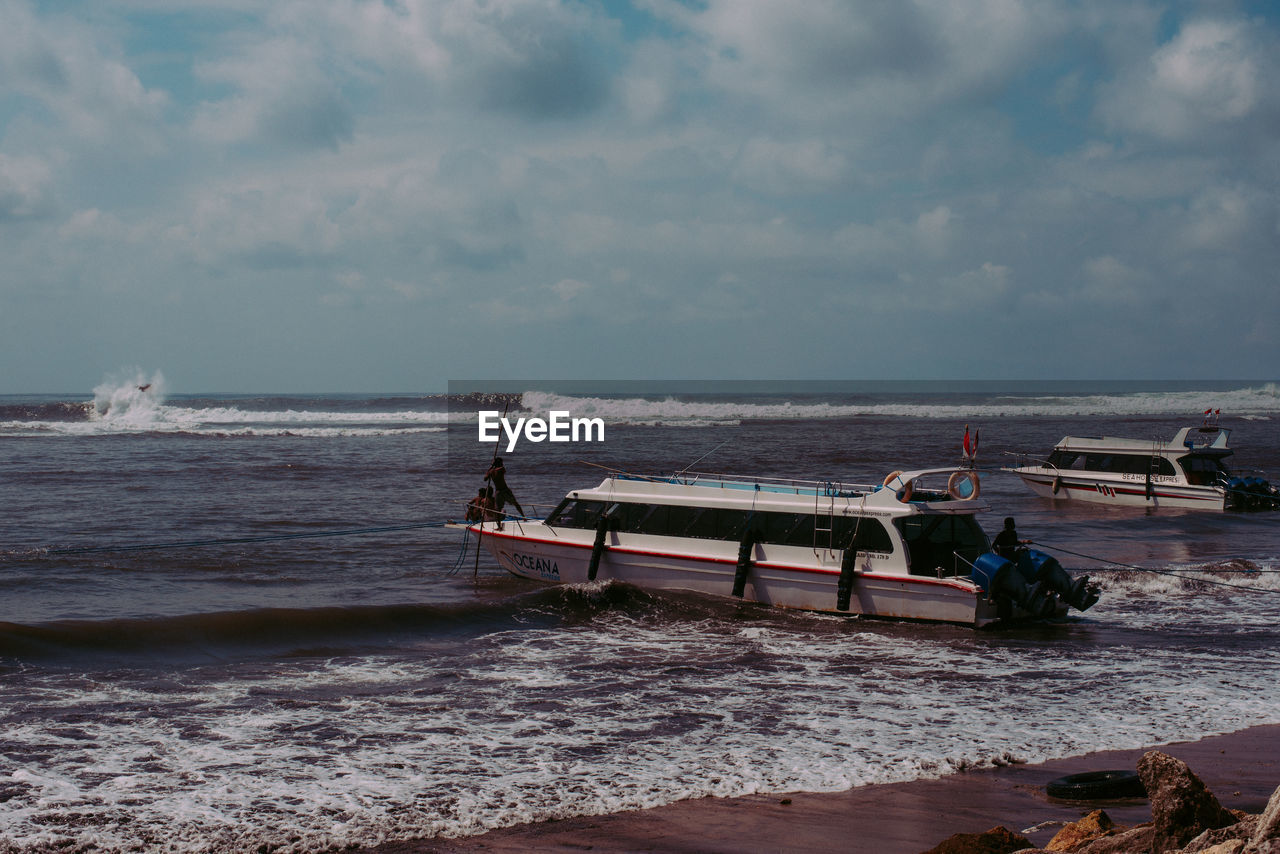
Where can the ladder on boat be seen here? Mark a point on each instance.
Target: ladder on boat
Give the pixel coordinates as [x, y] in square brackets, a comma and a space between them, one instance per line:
[1153, 469]
[828, 492]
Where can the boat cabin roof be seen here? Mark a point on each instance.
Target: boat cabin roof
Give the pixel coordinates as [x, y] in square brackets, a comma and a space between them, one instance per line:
[703, 490]
[1208, 440]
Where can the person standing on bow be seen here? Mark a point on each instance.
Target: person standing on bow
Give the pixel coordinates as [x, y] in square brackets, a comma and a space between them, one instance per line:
[497, 475]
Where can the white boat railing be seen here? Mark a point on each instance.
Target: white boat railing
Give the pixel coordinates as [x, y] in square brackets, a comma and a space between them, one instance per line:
[1023, 460]
[800, 486]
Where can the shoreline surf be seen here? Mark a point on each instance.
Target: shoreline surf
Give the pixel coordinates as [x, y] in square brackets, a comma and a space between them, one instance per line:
[1241, 768]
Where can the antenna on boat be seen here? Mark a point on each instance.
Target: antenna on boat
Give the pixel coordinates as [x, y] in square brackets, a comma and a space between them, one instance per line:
[613, 470]
[680, 472]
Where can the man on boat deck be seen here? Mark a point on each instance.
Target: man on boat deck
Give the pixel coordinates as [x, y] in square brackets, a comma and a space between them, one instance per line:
[1006, 544]
[490, 507]
[475, 507]
[497, 475]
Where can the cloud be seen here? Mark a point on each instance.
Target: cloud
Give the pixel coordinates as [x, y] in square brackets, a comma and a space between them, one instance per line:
[551, 77]
[1221, 216]
[832, 168]
[787, 167]
[840, 59]
[933, 228]
[1108, 280]
[84, 91]
[26, 188]
[567, 289]
[1210, 75]
[281, 96]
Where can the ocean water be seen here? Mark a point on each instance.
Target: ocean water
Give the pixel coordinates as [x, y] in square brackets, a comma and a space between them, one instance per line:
[346, 673]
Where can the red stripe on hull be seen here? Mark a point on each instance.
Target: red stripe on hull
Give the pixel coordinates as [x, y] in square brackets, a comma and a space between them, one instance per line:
[908, 579]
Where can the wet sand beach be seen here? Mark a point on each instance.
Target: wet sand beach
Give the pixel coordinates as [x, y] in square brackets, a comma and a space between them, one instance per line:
[1242, 769]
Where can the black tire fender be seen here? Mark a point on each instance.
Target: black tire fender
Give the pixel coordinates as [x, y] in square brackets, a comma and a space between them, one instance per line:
[1097, 786]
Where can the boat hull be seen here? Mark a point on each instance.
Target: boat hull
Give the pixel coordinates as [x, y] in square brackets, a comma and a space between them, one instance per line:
[540, 553]
[1122, 491]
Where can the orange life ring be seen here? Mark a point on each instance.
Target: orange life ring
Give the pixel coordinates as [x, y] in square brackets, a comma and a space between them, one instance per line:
[903, 494]
[955, 488]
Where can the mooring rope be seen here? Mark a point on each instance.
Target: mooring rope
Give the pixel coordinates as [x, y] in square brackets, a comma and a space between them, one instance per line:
[462, 553]
[1116, 566]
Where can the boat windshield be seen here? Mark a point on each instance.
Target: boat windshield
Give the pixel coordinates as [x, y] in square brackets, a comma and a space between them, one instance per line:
[1203, 469]
[943, 545]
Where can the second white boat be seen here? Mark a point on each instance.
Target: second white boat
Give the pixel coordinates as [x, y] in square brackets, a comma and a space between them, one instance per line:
[1189, 472]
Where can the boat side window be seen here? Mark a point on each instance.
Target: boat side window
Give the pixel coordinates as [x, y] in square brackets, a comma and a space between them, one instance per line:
[801, 533]
[942, 544]
[703, 525]
[1142, 464]
[1128, 464]
[774, 527]
[722, 523]
[653, 520]
[562, 516]
[716, 523]
[679, 518]
[1066, 460]
[1098, 462]
[580, 513]
[732, 524]
[627, 516]
[862, 534]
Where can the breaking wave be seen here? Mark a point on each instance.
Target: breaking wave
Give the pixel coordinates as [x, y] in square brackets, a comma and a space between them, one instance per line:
[135, 402]
[1258, 403]
[1227, 578]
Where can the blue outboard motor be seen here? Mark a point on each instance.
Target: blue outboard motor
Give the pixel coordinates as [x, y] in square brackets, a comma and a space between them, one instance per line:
[1036, 566]
[1251, 493]
[1003, 580]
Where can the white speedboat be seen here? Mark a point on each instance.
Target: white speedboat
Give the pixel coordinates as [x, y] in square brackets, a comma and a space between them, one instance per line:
[910, 548]
[1188, 472]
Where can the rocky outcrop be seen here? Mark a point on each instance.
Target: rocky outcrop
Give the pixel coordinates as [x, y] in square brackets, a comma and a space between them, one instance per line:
[1182, 807]
[997, 840]
[1266, 834]
[1186, 818]
[1214, 840]
[1130, 841]
[1095, 825]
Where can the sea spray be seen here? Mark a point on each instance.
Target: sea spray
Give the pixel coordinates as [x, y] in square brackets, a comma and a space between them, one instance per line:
[130, 397]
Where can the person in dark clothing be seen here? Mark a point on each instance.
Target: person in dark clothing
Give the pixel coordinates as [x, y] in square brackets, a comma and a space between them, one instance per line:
[497, 475]
[492, 512]
[1007, 543]
[475, 507]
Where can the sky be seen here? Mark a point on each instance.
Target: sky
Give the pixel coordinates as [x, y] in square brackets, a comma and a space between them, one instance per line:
[340, 195]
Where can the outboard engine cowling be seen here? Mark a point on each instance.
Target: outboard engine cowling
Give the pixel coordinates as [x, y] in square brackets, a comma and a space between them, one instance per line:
[1251, 493]
[1002, 580]
[1038, 566]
